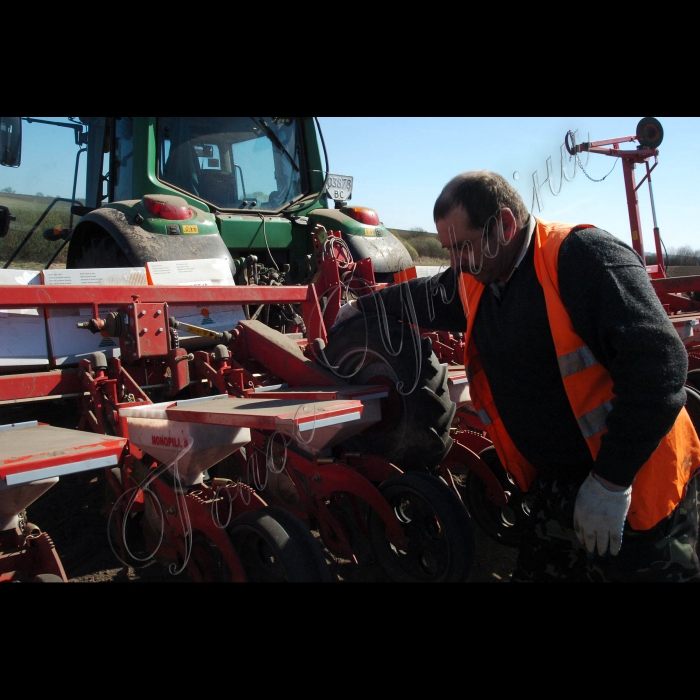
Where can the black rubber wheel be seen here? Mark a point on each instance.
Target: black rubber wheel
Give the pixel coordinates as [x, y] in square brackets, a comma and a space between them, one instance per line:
[102, 252]
[414, 433]
[275, 546]
[47, 578]
[441, 546]
[504, 524]
[650, 133]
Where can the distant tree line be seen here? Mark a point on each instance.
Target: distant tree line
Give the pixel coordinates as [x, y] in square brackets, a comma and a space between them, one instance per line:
[421, 245]
[684, 256]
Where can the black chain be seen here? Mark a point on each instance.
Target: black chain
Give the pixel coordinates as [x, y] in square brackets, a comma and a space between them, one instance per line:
[580, 165]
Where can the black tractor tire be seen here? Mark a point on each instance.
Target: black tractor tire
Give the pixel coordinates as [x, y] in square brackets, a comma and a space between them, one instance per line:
[414, 433]
[102, 251]
[275, 546]
[506, 524]
[441, 545]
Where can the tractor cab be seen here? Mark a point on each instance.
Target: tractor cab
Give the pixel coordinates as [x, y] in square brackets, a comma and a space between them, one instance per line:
[131, 190]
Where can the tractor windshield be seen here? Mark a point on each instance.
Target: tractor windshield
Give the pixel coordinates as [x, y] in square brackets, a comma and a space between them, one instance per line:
[233, 162]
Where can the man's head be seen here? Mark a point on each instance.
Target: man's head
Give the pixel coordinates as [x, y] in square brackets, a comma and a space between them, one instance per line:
[478, 215]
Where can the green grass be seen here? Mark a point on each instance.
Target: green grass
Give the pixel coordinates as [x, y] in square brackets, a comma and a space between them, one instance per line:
[27, 210]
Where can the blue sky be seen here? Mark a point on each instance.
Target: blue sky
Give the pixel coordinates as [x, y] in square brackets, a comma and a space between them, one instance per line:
[400, 165]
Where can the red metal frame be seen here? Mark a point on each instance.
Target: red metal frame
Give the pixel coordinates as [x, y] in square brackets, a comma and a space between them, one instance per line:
[676, 294]
[629, 161]
[23, 556]
[255, 356]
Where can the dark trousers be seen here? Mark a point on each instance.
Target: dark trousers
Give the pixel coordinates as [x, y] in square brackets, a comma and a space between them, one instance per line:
[551, 552]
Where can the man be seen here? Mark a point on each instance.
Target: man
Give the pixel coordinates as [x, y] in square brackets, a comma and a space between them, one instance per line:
[578, 375]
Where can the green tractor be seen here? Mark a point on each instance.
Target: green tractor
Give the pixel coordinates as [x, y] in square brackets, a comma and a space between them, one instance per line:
[145, 189]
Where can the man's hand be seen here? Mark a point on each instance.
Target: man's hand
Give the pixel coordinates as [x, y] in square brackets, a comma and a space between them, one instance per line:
[346, 312]
[599, 515]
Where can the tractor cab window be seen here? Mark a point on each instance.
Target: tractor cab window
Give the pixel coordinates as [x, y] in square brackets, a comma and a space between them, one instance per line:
[233, 162]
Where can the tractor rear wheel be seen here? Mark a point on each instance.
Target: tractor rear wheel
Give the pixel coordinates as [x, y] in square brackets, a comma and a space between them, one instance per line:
[414, 432]
[102, 251]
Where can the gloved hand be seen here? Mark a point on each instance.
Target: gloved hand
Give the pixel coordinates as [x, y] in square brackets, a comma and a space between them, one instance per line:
[599, 516]
[347, 311]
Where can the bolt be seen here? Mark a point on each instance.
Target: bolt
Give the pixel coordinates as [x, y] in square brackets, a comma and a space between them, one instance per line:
[316, 477]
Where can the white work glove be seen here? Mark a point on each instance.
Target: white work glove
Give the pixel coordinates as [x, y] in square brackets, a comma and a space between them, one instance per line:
[347, 311]
[599, 516]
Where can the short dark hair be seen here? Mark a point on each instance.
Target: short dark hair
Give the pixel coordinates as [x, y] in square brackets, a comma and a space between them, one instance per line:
[481, 193]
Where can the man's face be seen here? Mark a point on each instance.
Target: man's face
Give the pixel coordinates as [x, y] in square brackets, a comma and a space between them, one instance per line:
[466, 244]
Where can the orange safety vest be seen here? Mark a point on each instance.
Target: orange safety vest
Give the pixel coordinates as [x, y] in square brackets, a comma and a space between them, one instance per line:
[661, 482]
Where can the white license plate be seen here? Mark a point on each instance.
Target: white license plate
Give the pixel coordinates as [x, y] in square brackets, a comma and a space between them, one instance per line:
[339, 187]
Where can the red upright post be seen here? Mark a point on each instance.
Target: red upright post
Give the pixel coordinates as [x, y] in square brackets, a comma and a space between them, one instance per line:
[628, 166]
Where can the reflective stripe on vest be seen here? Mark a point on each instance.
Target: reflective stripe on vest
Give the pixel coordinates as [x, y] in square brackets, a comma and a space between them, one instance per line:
[576, 361]
[593, 422]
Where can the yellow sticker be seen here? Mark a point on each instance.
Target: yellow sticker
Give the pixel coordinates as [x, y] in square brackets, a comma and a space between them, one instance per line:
[370, 232]
[190, 229]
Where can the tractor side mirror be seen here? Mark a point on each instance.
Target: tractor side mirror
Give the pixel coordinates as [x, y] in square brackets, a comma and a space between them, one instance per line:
[5, 219]
[11, 141]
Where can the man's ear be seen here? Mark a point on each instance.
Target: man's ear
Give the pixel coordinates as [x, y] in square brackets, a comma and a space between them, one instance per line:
[509, 223]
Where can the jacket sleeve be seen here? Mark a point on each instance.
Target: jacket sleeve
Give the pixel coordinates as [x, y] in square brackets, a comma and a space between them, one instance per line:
[434, 301]
[613, 307]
